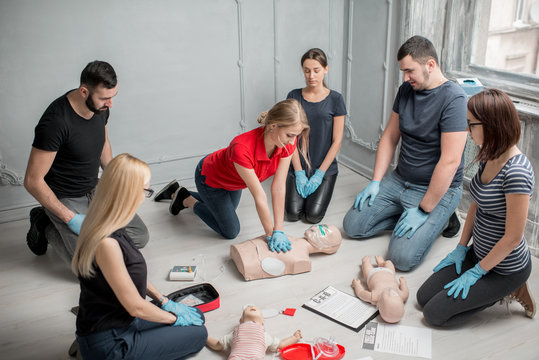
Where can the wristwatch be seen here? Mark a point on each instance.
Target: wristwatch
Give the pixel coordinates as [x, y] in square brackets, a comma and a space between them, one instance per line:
[423, 210]
[161, 299]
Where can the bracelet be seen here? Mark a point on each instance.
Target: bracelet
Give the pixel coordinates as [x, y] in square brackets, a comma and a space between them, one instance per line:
[161, 299]
[423, 210]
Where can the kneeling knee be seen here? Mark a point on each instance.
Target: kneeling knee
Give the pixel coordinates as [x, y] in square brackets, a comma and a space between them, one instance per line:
[432, 316]
[231, 234]
[403, 262]
[314, 218]
[292, 216]
[352, 224]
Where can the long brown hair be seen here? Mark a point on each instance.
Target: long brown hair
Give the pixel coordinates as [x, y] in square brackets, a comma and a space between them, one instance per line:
[500, 122]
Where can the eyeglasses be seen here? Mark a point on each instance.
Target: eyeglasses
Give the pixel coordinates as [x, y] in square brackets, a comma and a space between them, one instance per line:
[470, 124]
[149, 192]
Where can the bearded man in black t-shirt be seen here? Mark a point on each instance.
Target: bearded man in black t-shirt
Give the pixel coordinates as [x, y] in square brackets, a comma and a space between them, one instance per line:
[70, 144]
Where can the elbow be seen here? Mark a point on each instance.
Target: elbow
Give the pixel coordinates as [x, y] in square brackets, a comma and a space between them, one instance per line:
[29, 184]
[451, 163]
[136, 309]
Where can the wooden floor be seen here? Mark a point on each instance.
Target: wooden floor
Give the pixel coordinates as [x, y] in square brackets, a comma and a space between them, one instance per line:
[36, 293]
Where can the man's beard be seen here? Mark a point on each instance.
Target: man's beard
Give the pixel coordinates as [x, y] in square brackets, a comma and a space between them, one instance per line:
[91, 105]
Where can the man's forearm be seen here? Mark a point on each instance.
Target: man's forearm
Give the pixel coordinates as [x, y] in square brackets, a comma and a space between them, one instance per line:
[441, 179]
[44, 195]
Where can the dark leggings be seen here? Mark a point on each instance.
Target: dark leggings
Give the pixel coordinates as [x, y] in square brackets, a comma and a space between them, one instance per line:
[442, 310]
[314, 207]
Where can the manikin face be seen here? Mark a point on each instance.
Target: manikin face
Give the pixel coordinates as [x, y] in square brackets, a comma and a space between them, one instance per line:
[416, 74]
[314, 73]
[475, 128]
[252, 313]
[100, 99]
[282, 136]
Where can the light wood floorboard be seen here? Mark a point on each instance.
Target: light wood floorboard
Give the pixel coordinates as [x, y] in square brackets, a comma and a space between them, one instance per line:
[36, 293]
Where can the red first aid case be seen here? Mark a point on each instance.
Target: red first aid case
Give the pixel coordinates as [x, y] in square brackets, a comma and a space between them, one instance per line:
[202, 296]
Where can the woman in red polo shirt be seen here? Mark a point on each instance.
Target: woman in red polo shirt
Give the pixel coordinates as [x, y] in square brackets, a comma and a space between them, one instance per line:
[251, 158]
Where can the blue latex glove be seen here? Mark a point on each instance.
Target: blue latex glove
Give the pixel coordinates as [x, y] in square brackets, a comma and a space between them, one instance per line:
[279, 242]
[454, 257]
[465, 281]
[186, 315]
[411, 220]
[75, 223]
[301, 181]
[314, 182]
[369, 192]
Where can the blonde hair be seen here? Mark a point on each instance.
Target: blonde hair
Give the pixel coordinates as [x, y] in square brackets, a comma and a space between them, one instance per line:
[286, 113]
[113, 206]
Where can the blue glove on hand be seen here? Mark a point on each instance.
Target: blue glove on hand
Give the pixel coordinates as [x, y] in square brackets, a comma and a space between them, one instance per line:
[465, 281]
[75, 223]
[454, 257]
[411, 220]
[279, 242]
[369, 192]
[186, 315]
[314, 182]
[301, 181]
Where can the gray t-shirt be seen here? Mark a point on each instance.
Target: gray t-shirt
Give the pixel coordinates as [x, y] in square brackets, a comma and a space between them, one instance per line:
[423, 116]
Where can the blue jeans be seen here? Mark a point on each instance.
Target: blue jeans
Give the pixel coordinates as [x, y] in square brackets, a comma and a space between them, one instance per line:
[216, 207]
[143, 340]
[395, 196]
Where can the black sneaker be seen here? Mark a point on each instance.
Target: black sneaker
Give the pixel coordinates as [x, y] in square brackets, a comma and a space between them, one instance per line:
[453, 226]
[36, 240]
[167, 192]
[177, 200]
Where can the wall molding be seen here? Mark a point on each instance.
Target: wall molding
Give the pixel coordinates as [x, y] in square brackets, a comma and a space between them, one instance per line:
[9, 177]
[241, 65]
[371, 145]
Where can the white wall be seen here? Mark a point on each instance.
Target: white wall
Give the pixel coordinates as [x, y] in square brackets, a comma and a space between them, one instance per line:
[192, 74]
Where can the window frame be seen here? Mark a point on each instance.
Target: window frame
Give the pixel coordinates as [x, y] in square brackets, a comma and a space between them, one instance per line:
[459, 41]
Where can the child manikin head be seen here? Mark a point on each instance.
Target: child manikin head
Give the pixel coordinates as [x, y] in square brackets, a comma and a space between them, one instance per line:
[391, 306]
[252, 313]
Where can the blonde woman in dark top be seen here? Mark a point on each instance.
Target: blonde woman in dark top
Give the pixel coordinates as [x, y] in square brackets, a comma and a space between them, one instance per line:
[115, 321]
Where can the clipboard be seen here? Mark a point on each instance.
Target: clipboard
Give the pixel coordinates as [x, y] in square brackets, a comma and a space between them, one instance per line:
[342, 308]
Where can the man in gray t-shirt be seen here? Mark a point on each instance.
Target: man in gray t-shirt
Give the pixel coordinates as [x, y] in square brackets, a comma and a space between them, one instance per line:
[420, 196]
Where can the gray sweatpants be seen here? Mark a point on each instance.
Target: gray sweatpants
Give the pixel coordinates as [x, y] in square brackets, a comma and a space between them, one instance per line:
[64, 241]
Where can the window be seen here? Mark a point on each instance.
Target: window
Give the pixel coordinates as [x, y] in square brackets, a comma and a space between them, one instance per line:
[511, 37]
[500, 44]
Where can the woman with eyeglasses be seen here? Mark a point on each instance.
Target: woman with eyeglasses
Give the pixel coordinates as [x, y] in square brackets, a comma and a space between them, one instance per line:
[497, 263]
[114, 320]
[251, 158]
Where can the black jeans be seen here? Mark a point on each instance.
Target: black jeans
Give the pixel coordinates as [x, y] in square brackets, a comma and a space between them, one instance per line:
[314, 207]
[442, 310]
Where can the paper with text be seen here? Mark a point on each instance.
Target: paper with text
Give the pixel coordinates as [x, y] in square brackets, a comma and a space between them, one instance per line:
[398, 339]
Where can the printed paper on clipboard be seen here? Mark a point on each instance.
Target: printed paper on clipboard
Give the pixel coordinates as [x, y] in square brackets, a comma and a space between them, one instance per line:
[342, 308]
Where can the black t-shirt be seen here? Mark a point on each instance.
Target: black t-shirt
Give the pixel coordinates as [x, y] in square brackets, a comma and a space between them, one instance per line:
[320, 116]
[99, 309]
[78, 144]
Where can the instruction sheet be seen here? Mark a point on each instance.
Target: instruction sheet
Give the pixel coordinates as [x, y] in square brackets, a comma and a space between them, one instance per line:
[398, 339]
